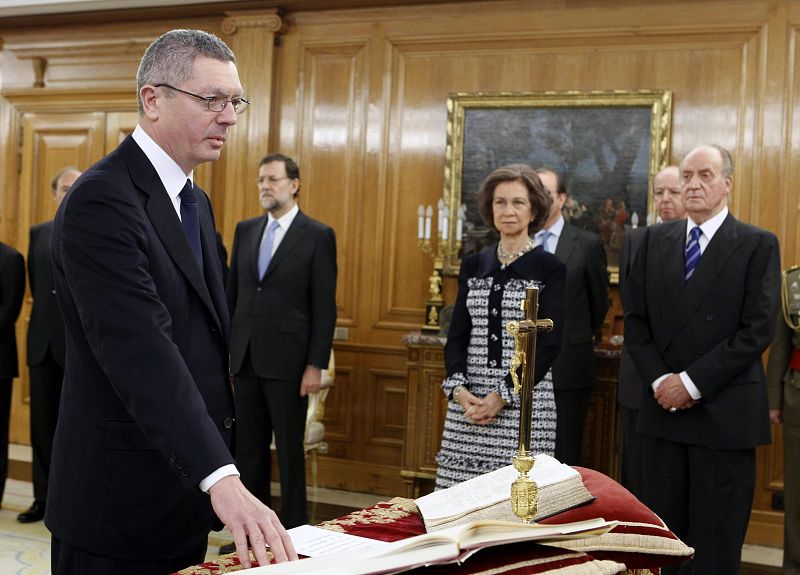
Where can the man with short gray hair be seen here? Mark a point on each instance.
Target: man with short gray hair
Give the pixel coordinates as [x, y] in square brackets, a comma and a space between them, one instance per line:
[142, 464]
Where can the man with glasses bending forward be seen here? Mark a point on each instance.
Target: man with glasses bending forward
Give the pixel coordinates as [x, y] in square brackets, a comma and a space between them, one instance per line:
[142, 455]
[699, 312]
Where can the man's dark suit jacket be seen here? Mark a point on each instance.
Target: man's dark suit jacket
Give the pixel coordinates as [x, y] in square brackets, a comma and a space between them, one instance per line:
[288, 316]
[146, 408]
[585, 306]
[629, 389]
[12, 291]
[46, 328]
[715, 328]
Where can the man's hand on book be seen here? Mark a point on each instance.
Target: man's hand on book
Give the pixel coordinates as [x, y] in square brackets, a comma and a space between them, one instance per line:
[482, 411]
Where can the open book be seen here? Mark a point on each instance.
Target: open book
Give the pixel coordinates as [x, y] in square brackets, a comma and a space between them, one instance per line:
[446, 546]
[488, 496]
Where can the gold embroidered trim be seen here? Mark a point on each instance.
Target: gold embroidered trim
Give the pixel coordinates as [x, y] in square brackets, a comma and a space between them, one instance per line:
[399, 507]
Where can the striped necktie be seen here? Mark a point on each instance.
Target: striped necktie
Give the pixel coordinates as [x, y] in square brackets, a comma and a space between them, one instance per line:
[692, 252]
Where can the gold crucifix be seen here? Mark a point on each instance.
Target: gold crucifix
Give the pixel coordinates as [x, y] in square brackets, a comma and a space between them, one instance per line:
[524, 492]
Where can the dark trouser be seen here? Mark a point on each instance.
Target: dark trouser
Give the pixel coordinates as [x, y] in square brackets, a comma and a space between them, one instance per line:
[631, 453]
[264, 406]
[46, 380]
[791, 499]
[67, 560]
[704, 496]
[5, 413]
[571, 406]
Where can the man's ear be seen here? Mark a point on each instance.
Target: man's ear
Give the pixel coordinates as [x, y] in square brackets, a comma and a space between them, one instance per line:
[149, 102]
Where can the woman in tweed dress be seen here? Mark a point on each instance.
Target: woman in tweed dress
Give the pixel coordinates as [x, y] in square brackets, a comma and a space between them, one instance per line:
[482, 424]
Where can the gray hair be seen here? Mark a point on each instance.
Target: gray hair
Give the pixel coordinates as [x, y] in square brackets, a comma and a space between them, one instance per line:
[170, 58]
[725, 157]
[727, 160]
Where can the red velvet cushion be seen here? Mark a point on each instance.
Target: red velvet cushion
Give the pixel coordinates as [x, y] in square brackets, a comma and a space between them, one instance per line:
[641, 540]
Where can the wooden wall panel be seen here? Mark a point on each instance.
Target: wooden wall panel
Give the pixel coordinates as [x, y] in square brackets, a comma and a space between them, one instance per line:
[331, 156]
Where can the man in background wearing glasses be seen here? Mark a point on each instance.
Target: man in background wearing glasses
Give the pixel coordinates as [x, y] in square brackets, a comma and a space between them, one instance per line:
[142, 454]
[282, 298]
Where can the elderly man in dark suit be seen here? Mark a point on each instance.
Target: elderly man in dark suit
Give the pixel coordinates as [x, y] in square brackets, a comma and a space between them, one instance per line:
[700, 310]
[12, 290]
[282, 297]
[45, 349]
[585, 306]
[142, 455]
[668, 201]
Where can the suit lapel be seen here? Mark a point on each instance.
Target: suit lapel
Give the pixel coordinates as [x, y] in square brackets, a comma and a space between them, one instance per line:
[566, 243]
[293, 235]
[165, 220]
[254, 245]
[211, 262]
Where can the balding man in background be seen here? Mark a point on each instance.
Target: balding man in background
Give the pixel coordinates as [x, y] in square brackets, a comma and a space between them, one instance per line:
[669, 206]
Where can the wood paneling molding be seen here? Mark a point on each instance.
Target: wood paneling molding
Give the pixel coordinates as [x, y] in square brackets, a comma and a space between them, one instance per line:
[82, 63]
[252, 37]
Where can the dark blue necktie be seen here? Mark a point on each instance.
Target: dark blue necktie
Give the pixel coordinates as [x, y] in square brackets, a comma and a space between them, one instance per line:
[692, 252]
[191, 221]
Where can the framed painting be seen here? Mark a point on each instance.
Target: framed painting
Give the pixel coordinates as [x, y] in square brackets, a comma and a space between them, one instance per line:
[607, 145]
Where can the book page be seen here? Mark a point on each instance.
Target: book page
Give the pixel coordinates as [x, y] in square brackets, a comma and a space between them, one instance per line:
[317, 542]
[479, 494]
[486, 533]
[395, 557]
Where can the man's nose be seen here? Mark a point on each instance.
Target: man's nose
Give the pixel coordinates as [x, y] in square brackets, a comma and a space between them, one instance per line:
[228, 114]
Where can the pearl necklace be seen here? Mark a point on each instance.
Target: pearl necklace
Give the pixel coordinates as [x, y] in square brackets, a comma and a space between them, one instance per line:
[510, 257]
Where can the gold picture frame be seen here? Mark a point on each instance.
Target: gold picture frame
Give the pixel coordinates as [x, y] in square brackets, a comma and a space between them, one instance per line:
[607, 145]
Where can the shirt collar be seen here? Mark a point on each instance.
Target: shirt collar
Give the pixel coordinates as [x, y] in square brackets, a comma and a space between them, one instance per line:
[171, 175]
[557, 227]
[286, 219]
[710, 226]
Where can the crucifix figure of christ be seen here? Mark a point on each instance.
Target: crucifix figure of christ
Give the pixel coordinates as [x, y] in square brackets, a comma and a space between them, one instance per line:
[524, 492]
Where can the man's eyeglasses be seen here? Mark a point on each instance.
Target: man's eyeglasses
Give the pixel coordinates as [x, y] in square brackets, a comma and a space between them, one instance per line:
[271, 179]
[214, 103]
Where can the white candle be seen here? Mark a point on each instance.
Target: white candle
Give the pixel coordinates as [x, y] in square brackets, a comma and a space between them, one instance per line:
[428, 218]
[440, 218]
[460, 222]
[420, 222]
[445, 225]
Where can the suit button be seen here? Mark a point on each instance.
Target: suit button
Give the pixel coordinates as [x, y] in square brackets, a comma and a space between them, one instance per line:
[228, 423]
[172, 458]
[52, 291]
[214, 330]
[258, 288]
[710, 317]
[185, 472]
